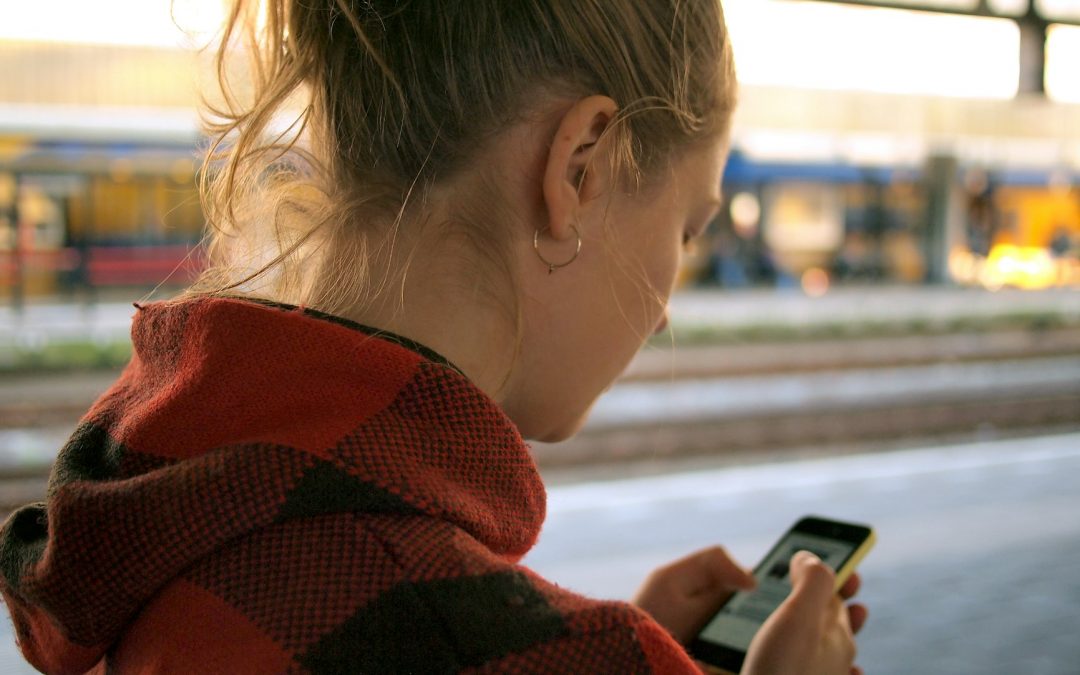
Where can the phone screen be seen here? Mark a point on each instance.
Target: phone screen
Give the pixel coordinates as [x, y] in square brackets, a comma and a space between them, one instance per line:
[737, 622]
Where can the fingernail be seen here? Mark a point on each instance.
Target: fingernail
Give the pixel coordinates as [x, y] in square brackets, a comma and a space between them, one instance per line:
[749, 581]
[805, 557]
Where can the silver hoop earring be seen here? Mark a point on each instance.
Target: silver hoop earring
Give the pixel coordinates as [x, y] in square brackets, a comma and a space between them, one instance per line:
[550, 265]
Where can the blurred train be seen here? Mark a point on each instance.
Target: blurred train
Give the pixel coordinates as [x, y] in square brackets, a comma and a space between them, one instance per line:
[815, 224]
[90, 214]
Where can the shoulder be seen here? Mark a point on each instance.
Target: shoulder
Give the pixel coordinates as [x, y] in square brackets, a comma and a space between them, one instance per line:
[482, 613]
[594, 636]
[499, 616]
[363, 593]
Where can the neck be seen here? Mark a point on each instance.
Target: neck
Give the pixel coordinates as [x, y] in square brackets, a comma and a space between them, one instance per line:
[430, 302]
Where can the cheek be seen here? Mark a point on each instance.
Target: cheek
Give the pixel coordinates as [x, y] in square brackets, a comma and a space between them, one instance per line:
[658, 247]
[671, 269]
[665, 261]
[655, 258]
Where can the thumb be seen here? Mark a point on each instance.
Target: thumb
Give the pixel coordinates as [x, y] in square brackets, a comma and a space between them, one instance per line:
[811, 582]
[719, 571]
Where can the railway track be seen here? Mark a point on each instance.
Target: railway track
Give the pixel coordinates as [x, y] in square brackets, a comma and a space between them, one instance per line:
[868, 424]
[727, 400]
[749, 359]
[702, 402]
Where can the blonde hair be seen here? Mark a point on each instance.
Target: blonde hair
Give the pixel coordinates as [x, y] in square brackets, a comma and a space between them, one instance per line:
[391, 98]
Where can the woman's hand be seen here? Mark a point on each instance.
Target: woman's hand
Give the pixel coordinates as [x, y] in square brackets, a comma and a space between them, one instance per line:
[812, 631]
[685, 594]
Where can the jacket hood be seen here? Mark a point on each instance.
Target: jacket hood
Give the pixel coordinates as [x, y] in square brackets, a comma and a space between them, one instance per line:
[233, 415]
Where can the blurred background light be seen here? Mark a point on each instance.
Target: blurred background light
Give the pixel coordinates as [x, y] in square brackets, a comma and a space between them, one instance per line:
[967, 5]
[112, 22]
[1062, 57]
[1009, 7]
[805, 44]
[745, 214]
[1068, 10]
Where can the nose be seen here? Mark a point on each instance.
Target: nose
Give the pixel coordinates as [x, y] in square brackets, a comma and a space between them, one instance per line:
[663, 322]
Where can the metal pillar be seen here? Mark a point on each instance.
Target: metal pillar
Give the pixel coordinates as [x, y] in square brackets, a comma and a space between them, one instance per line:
[18, 249]
[1033, 29]
[944, 216]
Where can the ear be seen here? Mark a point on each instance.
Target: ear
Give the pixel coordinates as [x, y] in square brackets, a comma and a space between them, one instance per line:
[566, 185]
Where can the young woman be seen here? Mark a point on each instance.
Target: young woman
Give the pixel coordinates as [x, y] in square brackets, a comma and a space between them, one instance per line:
[315, 459]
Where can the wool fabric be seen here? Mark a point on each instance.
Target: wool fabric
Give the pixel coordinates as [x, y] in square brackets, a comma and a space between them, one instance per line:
[269, 489]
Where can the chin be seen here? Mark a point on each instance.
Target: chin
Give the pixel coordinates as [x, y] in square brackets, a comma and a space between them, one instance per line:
[562, 432]
[554, 436]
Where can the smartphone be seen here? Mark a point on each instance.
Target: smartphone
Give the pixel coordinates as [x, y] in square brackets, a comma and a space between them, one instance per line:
[723, 642]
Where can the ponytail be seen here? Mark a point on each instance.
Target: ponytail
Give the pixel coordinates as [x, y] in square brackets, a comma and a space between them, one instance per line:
[350, 111]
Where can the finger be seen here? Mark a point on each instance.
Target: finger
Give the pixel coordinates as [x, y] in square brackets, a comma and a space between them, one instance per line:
[857, 615]
[855, 670]
[724, 571]
[707, 571]
[851, 586]
[812, 582]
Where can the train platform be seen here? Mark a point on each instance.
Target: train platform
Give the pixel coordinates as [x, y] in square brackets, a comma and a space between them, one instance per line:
[974, 571]
[896, 309]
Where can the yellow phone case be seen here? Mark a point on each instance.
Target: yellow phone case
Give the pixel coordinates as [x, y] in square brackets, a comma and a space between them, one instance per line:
[847, 568]
[842, 576]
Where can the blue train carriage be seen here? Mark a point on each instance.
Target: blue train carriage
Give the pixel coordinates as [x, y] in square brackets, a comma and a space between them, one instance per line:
[812, 224]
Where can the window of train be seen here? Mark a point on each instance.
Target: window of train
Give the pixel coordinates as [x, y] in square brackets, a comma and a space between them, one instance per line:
[138, 210]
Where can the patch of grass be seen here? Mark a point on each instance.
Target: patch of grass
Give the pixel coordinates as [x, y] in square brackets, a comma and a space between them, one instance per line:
[699, 334]
[87, 355]
[65, 356]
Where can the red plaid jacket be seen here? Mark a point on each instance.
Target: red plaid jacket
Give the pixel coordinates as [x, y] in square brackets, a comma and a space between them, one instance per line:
[268, 489]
